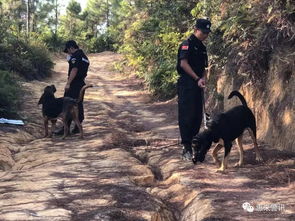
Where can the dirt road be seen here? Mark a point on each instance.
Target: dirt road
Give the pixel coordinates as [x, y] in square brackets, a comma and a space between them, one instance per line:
[128, 167]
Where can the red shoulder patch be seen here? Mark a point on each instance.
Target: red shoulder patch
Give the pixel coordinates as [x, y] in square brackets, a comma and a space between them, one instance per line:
[184, 47]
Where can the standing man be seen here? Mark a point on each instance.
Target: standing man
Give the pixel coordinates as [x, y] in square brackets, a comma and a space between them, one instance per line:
[192, 60]
[78, 67]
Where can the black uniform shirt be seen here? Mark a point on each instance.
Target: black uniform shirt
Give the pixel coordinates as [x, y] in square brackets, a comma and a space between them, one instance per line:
[195, 52]
[80, 61]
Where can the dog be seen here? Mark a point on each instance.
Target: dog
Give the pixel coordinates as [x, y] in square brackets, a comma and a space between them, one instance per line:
[223, 129]
[64, 107]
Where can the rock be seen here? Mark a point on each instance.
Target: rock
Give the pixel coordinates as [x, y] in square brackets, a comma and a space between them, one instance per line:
[6, 160]
[163, 215]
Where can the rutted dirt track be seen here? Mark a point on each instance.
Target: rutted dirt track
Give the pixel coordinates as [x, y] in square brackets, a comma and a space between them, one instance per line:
[128, 167]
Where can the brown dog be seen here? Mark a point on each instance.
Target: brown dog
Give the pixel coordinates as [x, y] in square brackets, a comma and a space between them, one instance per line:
[64, 107]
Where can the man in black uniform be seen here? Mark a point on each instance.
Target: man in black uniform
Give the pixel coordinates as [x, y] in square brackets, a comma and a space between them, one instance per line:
[78, 67]
[192, 60]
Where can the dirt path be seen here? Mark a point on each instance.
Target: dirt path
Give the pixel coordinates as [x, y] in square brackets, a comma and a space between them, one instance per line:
[128, 167]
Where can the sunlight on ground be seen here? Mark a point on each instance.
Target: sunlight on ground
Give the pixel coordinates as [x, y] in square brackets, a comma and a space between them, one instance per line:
[287, 117]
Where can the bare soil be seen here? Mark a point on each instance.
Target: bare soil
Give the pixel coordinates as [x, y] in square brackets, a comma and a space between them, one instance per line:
[128, 167]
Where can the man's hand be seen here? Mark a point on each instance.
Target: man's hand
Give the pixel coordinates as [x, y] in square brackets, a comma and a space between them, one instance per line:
[202, 82]
[72, 76]
[67, 87]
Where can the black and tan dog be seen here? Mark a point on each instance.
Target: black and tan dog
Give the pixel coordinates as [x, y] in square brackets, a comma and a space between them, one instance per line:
[223, 129]
[64, 107]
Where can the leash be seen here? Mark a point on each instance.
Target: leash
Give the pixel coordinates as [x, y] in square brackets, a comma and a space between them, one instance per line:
[204, 109]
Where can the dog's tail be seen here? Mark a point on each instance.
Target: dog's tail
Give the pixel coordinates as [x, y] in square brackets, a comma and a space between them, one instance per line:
[236, 93]
[82, 92]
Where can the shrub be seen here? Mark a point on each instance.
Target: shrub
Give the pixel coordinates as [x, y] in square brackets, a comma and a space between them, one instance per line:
[30, 60]
[39, 56]
[52, 40]
[9, 92]
[152, 53]
[101, 43]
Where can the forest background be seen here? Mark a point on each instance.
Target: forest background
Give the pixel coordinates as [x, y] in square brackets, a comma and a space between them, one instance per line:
[251, 48]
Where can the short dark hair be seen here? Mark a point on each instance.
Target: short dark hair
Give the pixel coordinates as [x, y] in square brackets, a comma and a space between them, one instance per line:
[70, 44]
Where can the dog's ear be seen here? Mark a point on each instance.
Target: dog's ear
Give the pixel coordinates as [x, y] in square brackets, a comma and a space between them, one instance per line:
[53, 88]
[41, 100]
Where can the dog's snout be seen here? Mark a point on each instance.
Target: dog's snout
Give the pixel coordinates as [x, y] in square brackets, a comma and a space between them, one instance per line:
[194, 160]
[201, 159]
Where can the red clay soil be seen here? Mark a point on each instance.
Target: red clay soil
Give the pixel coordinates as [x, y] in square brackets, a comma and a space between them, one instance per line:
[128, 167]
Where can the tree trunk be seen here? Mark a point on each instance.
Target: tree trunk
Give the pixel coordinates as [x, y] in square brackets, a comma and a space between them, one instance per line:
[34, 17]
[28, 17]
[56, 16]
[1, 9]
[107, 15]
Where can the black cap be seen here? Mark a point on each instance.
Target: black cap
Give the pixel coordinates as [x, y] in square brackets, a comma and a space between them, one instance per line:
[70, 44]
[204, 25]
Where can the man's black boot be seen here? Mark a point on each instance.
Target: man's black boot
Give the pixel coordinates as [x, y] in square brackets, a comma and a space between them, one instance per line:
[75, 130]
[187, 152]
[59, 132]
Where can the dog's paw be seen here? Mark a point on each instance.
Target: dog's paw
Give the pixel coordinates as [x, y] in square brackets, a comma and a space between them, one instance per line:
[239, 164]
[259, 158]
[217, 163]
[220, 170]
[194, 160]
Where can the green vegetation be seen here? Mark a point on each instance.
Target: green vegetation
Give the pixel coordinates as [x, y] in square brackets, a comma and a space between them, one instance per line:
[148, 35]
[22, 56]
[244, 35]
[248, 32]
[9, 92]
[148, 32]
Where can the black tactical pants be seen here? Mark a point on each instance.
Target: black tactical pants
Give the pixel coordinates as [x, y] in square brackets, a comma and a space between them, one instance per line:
[189, 111]
[74, 92]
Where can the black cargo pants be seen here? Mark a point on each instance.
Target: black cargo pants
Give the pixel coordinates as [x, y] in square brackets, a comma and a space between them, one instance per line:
[190, 111]
[74, 92]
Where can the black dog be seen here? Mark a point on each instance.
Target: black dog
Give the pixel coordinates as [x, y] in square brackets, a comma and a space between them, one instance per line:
[64, 107]
[223, 129]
